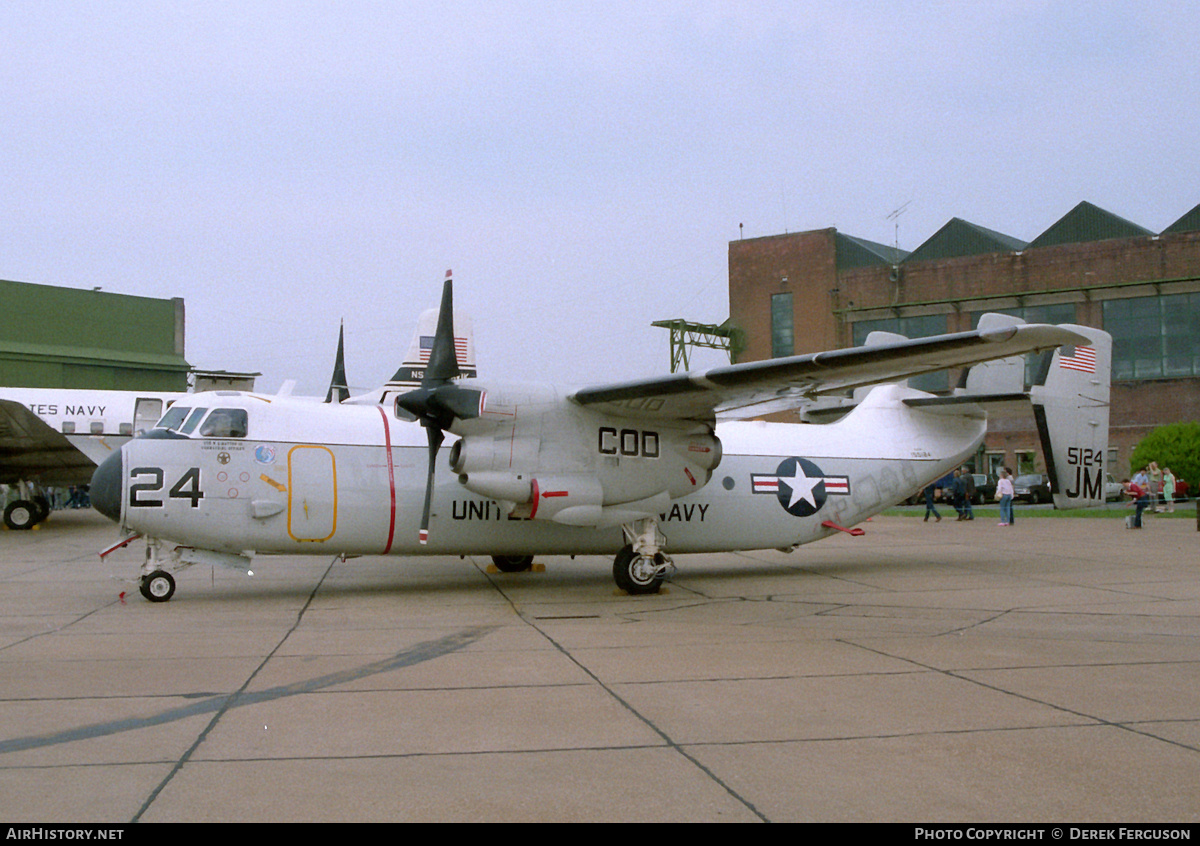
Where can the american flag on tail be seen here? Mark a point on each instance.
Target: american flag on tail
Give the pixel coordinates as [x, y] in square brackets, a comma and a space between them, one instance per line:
[1084, 360]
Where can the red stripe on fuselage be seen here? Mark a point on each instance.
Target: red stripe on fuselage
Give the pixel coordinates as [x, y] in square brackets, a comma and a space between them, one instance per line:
[387, 444]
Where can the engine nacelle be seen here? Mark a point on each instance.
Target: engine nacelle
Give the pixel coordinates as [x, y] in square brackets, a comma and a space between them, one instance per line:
[502, 487]
[576, 500]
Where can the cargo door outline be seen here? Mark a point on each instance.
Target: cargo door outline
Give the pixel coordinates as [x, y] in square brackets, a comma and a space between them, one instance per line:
[312, 493]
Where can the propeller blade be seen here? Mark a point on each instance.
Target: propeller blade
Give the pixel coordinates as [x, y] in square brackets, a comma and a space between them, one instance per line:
[443, 359]
[435, 436]
[439, 402]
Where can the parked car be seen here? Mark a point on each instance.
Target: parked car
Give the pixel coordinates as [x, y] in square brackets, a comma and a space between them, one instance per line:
[1113, 491]
[1032, 487]
[985, 488]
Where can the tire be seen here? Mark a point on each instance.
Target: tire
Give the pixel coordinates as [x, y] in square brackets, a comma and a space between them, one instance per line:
[21, 514]
[513, 563]
[43, 507]
[158, 586]
[630, 574]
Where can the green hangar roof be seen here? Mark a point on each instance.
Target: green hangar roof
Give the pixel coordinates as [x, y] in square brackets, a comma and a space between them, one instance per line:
[1190, 222]
[963, 238]
[1085, 223]
[858, 252]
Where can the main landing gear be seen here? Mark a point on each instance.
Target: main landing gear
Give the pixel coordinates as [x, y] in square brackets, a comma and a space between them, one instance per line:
[641, 566]
[31, 507]
[513, 563]
[26, 513]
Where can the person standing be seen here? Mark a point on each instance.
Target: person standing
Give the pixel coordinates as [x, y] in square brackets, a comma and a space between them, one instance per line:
[1140, 497]
[1155, 486]
[1168, 489]
[968, 494]
[957, 488]
[1004, 489]
[929, 507]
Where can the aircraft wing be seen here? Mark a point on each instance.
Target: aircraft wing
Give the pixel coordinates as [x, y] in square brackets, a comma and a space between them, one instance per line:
[779, 384]
[29, 449]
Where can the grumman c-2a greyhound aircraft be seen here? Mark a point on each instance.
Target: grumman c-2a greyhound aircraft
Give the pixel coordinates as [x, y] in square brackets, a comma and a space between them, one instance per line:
[639, 469]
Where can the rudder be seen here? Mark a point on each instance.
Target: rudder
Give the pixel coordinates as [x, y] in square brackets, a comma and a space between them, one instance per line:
[1071, 408]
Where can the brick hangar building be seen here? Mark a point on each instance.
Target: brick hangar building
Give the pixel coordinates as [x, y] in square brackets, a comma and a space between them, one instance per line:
[810, 291]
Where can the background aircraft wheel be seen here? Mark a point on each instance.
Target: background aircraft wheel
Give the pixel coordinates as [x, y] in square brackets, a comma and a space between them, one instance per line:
[21, 514]
[635, 574]
[159, 586]
[512, 563]
[43, 507]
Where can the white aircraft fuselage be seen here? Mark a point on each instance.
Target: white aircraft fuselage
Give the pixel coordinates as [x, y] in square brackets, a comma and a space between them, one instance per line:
[354, 484]
[94, 422]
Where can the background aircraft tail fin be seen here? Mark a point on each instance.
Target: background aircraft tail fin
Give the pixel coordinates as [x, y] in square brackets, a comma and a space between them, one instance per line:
[1071, 405]
[412, 369]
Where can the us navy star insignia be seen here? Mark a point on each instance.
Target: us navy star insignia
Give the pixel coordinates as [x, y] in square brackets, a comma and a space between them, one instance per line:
[800, 486]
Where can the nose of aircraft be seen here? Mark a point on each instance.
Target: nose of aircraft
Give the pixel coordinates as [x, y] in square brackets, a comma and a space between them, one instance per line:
[105, 492]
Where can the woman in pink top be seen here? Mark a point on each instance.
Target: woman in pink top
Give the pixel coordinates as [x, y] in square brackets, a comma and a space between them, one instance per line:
[1004, 490]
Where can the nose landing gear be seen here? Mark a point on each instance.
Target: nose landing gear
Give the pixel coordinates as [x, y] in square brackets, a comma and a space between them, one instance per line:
[641, 566]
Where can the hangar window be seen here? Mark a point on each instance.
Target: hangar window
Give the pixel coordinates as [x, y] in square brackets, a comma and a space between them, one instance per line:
[1154, 336]
[910, 327]
[783, 341]
[1055, 313]
[225, 423]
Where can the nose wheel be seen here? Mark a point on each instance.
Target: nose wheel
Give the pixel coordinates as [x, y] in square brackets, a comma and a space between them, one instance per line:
[158, 586]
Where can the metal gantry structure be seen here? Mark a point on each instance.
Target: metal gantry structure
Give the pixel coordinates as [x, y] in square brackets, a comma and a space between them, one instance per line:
[685, 335]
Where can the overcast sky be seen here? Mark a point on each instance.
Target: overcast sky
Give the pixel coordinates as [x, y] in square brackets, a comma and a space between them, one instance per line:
[582, 167]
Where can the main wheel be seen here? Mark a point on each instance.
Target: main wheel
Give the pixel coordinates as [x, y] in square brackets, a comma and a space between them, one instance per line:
[512, 563]
[21, 514]
[636, 574]
[158, 586]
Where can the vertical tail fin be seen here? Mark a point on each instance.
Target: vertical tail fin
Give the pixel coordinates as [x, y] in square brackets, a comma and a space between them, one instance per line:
[1071, 408]
[412, 369]
[337, 383]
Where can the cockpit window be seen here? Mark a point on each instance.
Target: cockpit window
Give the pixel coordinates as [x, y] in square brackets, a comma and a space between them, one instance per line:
[172, 418]
[225, 423]
[189, 425]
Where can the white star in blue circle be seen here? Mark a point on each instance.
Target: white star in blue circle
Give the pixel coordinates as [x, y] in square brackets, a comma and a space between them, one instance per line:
[801, 486]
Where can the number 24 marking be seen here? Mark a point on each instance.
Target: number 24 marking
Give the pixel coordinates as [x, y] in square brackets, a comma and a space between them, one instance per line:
[188, 487]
